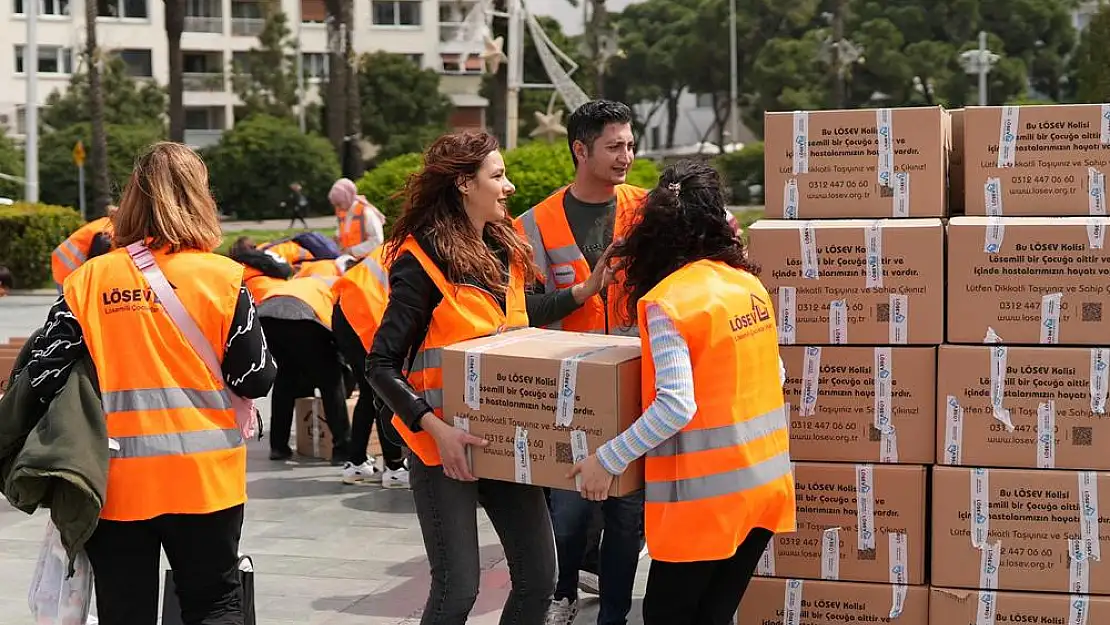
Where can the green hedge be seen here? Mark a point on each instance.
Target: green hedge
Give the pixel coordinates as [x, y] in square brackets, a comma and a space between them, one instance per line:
[28, 234]
[537, 169]
[741, 170]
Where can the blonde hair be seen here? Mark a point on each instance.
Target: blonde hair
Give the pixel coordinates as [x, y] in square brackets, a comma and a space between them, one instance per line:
[167, 203]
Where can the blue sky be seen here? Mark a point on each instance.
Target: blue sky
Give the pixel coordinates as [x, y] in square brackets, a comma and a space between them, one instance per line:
[568, 16]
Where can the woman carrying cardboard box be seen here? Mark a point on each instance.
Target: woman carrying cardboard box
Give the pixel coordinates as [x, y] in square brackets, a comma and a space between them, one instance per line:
[718, 481]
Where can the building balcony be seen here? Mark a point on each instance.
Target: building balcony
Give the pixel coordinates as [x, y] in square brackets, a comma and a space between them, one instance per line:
[204, 24]
[247, 26]
[203, 81]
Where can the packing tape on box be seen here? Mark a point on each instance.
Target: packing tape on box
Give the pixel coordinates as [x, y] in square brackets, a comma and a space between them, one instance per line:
[788, 314]
[873, 243]
[838, 321]
[901, 194]
[811, 381]
[522, 460]
[865, 507]
[766, 566]
[888, 445]
[992, 196]
[1050, 318]
[1046, 435]
[998, 387]
[801, 143]
[989, 559]
[1088, 514]
[1100, 378]
[897, 544]
[830, 554]
[579, 450]
[995, 233]
[1079, 567]
[898, 319]
[1096, 232]
[980, 507]
[988, 605]
[1078, 607]
[991, 336]
[1007, 136]
[472, 390]
[953, 432]
[790, 197]
[884, 143]
[1096, 192]
[568, 384]
[792, 603]
[463, 423]
[884, 410]
[1104, 126]
[807, 238]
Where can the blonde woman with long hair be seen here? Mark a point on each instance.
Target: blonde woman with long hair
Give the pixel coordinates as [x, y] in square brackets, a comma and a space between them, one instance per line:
[172, 332]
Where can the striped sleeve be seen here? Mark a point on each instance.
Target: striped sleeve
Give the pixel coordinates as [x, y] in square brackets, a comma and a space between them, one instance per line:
[674, 405]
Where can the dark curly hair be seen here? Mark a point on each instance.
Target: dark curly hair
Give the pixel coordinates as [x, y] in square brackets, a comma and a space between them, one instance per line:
[683, 220]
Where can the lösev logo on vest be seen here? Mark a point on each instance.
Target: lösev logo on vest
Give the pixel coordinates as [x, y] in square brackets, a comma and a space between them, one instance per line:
[121, 300]
[754, 320]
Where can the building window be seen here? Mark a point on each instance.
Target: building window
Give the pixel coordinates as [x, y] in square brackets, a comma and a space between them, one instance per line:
[139, 63]
[46, 7]
[396, 12]
[52, 60]
[315, 65]
[134, 9]
[416, 58]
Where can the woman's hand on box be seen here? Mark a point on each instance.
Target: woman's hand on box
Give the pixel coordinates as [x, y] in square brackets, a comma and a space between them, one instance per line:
[452, 442]
[596, 481]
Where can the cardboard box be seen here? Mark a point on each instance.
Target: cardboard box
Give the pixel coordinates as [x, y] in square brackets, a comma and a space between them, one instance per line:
[842, 173]
[956, 186]
[841, 425]
[892, 513]
[820, 603]
[950, 606]
[313, 435]
[519, 379]
[1052, 154]
[1040, 270]
[809, 265]
[1034, 515]
[1046, 395]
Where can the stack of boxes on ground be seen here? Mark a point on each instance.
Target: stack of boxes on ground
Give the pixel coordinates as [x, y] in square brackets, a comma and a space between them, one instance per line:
[8, 353]
[853, 256]
[1022, 382]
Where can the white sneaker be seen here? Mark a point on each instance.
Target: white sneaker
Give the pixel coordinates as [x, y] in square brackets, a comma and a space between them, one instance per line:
[588, 582]
[365, 472]
[561, 612]
[395, 478]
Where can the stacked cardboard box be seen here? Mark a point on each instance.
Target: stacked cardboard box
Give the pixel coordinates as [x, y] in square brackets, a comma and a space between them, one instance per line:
[1022, 382]
[853, 260]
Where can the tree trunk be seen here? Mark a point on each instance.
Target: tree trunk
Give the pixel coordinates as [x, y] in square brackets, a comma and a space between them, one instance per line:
[99, 157]
[337, 76]
[175, 25]
[598, 19]
[672, 116]
[353, 166]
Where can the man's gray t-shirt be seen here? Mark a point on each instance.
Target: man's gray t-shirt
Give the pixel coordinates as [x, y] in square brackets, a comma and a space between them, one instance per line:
[591, 225]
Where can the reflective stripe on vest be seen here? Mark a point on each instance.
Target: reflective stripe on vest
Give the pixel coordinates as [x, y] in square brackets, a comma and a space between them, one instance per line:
[69, 254]
[164, 399]
[728, 470]
[178, 444]
[73, 251]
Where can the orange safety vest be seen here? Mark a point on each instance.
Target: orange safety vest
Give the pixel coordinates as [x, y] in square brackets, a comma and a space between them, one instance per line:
[180, 449]
[313, 290]
[352, 224]
[74, 251]
[259, 283]
[562, 264]
[466, 312]
[324, 268]
[728, 471]
[290, 251]
[363, 293]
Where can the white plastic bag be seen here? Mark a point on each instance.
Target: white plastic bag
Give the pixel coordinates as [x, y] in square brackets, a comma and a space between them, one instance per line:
[53, 599]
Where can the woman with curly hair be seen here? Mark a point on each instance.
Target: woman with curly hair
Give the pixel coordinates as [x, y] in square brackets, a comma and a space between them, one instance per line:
[714, 433]
[457, 271]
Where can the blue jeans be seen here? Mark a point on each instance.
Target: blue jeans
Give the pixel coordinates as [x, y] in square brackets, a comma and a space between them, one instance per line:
[619, 554]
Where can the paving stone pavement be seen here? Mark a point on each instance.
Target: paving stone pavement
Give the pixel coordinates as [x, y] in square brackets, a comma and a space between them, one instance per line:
[325, 553]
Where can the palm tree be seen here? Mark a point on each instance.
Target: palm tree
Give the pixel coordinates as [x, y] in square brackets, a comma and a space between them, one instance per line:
[101, 194]
[175, 25]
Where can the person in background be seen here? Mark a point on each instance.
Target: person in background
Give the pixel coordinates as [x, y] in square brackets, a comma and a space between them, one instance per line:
[715, 414]
[262, 271]
[361, 294]
[91, 239]
[569, 233]
[457, 271]
[360, 222]
[297, 204]
[177, 476]
[7, 281]
[297, 318]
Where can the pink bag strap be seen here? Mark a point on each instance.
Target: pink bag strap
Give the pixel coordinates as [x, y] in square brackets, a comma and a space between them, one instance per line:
[144, 260]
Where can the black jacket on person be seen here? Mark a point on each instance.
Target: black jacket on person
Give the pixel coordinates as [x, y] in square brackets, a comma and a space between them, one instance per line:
[413, 297]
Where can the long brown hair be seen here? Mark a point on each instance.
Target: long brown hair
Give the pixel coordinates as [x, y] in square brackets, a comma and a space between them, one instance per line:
[434, 208]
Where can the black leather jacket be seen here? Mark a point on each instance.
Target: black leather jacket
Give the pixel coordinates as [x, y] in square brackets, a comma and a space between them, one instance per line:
[412, 299]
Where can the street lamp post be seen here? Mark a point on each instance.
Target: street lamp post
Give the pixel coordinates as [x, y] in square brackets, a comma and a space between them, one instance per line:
[980, 62]
[31, 110]
[734, 75]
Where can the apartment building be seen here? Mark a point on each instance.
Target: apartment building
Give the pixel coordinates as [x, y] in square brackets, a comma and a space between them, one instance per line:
[216, 32]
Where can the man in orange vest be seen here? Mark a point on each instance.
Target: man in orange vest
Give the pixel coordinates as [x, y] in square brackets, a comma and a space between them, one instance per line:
[88, 241]
[569, 231]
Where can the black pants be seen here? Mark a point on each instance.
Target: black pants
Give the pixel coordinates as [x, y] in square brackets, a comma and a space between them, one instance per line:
[203, 550]
[367, 410]
[702, 593]
[307, 358]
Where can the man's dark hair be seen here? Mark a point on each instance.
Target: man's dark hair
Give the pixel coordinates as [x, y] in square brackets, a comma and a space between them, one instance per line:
[588, 122]
[7, 281]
